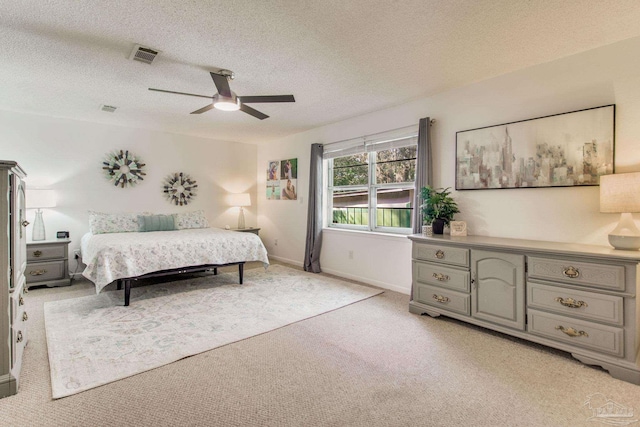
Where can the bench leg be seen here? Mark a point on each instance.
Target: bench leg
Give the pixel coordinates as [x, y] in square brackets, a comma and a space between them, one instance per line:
[127, 292]
[241, 271]
[215, 271]
[119, 284]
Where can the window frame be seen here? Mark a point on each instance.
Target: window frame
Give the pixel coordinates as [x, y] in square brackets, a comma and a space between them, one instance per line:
[372, 188]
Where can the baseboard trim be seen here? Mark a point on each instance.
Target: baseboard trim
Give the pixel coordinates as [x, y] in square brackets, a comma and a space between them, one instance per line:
[288, 261]
[377, 283]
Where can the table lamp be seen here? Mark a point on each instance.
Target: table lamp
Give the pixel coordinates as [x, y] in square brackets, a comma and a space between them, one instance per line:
[240, 200]
[620, 193]
[38, 199]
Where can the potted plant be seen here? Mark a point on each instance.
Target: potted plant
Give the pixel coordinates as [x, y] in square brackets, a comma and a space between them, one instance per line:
[438, 208]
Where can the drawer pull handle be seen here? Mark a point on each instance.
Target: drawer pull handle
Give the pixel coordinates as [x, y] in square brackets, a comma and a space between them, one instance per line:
[571, 272]
[19, 337]
[25, 317]
[571, 303]
[25, 223]
[37, 272]
[439, 254]
[441, 277]
[572, 332]
[37, 254]
[441, 299]
[20, 300]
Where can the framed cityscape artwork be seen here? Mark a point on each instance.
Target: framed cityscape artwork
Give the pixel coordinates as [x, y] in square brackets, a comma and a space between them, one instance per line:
[282, 179]
[562, 150]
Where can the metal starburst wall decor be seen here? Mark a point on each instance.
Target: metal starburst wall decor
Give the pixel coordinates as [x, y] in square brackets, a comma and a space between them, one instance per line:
[180, 189]
[123, 168]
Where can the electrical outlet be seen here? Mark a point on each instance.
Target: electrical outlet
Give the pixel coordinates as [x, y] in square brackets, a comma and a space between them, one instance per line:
[76, 254]
[275, 242]
[350, 254]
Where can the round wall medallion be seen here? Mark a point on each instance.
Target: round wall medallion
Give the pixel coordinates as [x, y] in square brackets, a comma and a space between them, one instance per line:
[123, 168]
[180, 189]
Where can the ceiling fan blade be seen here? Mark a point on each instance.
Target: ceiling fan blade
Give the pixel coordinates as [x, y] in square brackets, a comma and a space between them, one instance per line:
[222, 84]
[254, 113]
[203, 109]
[180, 93]
[267, 98]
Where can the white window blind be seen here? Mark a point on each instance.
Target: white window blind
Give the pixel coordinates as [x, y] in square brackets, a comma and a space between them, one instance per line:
[396, 138]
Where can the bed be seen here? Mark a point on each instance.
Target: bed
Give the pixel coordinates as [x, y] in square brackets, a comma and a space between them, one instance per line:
[124, 257]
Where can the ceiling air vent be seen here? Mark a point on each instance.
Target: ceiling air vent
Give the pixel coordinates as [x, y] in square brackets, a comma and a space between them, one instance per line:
[108, 108]
[143, 54]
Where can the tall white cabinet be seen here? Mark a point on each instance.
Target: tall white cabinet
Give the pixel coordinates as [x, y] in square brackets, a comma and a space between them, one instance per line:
[578, 298]
[13, 261]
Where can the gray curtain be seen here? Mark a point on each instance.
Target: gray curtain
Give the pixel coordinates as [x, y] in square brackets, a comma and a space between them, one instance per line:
[424, 174]
[314, 215]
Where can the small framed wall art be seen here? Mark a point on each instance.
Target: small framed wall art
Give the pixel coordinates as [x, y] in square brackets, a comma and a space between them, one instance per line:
[282, 179]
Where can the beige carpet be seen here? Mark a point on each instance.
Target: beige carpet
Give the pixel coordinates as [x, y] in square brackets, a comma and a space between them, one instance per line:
[371, 363]
[95, 340]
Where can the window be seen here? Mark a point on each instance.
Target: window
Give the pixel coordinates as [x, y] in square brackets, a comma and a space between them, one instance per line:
[371, 182]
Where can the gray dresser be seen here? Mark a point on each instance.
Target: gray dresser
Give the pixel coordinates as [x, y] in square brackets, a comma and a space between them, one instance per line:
[577, 298]
[13, 260]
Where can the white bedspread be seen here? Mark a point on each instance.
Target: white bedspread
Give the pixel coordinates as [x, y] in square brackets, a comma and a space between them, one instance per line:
[120, 255]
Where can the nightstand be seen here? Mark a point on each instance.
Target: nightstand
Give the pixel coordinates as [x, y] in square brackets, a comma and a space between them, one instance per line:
[247, 230]
[48, 263]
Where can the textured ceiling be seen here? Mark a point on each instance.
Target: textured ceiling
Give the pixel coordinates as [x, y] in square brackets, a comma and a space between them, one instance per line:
[340, 58]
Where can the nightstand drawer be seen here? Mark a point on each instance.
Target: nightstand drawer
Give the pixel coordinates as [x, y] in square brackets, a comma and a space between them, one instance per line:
[578, 273]
[42, 271]
[442, 298]
[42, 252]
[580, 333]
[443, 254]
[587, 305]
[438, 275]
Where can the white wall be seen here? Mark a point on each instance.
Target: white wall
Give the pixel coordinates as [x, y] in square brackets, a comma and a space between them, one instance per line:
[66, 156]
[607, 75]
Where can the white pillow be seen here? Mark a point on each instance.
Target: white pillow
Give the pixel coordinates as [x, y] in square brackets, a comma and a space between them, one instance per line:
[121, 222]
[195, 219]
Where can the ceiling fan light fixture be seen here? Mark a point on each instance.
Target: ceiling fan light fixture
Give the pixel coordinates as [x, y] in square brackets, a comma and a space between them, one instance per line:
[226, 103]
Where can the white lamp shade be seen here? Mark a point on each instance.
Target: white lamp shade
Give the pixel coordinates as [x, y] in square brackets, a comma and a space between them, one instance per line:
[37, 199]
[241, 199]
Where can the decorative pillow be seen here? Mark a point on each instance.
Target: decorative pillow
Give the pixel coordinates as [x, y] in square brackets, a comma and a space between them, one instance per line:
[156, 223]
[122, 222]
[195, 219]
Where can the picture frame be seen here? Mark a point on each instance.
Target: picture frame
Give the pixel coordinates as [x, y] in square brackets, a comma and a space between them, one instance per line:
[458, 228]
[560, 150]
[282, 179]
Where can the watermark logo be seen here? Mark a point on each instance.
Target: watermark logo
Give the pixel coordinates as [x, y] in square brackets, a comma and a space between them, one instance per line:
[609, 412]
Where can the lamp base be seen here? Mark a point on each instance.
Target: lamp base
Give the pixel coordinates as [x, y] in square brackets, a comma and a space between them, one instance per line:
[38, 227]
[241, 219]
[626, 236]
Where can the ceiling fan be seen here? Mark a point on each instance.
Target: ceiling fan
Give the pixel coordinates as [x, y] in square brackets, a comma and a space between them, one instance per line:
[227, 100]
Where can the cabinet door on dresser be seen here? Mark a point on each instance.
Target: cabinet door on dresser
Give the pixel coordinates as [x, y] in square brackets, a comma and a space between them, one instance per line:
[497, 289]
[19, 231]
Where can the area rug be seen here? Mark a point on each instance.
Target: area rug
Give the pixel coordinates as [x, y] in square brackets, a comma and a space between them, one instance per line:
[95, 340]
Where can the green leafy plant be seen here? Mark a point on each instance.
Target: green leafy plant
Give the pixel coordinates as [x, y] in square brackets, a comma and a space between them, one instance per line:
[437, 204]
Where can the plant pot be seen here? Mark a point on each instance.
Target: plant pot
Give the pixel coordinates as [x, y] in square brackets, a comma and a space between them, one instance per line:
[438, 226]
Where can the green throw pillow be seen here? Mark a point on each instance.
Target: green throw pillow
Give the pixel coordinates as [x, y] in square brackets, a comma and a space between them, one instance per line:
[156, 223]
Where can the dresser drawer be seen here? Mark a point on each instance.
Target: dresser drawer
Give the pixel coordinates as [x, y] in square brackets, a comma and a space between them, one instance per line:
[42, 271]
[580, 333]
[439, 275]
[586, 305]
[578, 273]
[44, 252]
[443, 254]
[442, 298]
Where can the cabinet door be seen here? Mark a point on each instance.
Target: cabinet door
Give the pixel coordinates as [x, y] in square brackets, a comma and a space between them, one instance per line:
[497, 290]
[18, 229]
